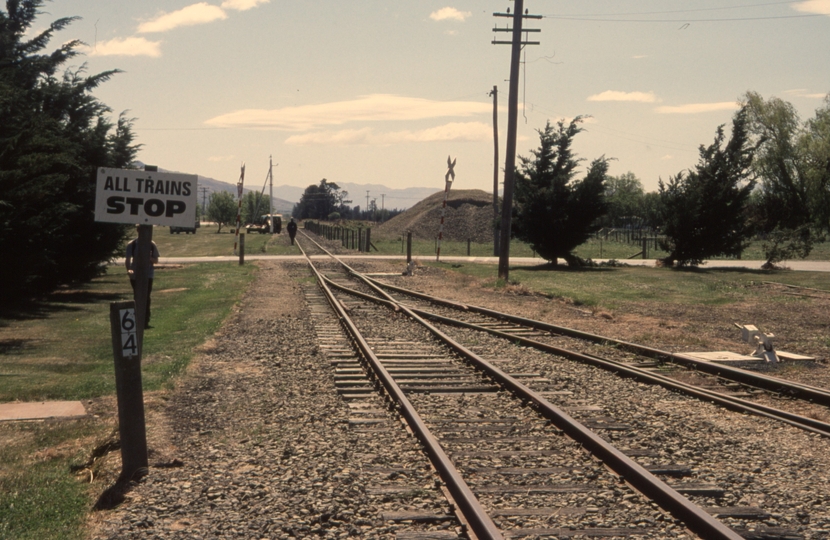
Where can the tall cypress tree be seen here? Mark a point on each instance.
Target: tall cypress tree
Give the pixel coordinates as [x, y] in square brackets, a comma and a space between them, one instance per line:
[554, 212]
[704, 210]
[53, 136]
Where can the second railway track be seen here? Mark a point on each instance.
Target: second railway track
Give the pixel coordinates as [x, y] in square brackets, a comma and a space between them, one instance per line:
[533, 477]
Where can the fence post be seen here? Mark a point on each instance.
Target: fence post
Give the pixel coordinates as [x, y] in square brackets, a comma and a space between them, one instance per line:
[645, 247]
[242, 236]
[368, 239]
[468, 247]
[408, 247]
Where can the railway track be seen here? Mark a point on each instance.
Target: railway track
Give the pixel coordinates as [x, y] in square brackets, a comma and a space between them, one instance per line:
[520, 453]
[736, 388]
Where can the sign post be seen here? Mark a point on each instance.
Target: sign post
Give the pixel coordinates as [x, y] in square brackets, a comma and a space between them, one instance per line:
[126, 348]
[447, 183]
[147, 198]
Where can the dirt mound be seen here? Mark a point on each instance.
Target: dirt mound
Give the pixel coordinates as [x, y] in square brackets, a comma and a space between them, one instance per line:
[469, 215]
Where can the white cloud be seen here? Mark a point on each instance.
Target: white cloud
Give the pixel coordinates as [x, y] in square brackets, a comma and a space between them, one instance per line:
[342, 137]
[371, 108]
[821, 7]
[193, 14]
[667, 157]
[242, 5]
[639, 56]
[695, 108]
[803, 92]
[449, 13]
[614, 95]
[131, 46]
[453, 131]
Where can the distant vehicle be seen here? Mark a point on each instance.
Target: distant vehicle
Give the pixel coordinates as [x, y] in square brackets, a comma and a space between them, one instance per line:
[186, 230]
[263, 224]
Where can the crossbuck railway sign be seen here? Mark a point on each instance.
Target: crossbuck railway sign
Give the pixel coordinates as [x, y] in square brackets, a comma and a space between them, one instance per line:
[145, 197]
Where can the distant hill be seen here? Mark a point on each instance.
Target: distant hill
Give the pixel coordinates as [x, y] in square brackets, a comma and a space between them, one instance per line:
[281, 206]
[285, 196]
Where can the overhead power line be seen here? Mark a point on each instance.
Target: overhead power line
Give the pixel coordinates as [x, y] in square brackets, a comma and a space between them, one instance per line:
[695, 10]
[675, 21]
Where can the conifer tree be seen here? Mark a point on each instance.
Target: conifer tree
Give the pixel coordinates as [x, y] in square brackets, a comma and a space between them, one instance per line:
[53, 136]
[553, 212]
[704, 210]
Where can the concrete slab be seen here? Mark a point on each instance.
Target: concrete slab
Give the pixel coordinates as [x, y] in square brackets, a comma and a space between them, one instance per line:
[40, 410]
[723, 356]
[793, 357]
[742, 360]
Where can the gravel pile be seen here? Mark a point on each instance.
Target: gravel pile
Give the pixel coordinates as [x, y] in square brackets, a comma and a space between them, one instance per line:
[469, 215]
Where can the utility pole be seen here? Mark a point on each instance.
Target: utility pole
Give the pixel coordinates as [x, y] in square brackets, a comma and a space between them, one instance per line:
[512, 119]
[496, 227]
[204, 191]
[367, 204]
[382, 205]
[270, 193]
[239, 189]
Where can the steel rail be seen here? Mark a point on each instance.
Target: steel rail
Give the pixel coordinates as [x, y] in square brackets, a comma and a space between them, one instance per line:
[699, 521]
[478, 519]
[802, 422]
[733, 403]
[772, 384]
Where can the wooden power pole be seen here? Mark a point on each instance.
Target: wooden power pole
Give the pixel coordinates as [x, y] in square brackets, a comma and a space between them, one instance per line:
[512, 119]
[496, 227]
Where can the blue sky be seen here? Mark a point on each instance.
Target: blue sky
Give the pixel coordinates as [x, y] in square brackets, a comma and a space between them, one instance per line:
[382, 92]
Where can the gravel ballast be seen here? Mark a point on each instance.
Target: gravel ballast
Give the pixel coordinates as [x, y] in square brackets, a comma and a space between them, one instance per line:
[256, 443]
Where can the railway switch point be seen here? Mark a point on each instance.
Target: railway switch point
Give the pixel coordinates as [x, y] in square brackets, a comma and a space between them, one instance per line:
[762, 341]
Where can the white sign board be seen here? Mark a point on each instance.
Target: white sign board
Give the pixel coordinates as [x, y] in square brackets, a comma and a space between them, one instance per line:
[129, 338]
[145, 197]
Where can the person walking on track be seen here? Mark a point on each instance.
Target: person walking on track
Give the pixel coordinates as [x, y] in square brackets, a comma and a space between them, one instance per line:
[292, 230]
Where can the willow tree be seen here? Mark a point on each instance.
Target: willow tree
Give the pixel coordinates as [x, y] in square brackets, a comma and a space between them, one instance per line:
[792, 205]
